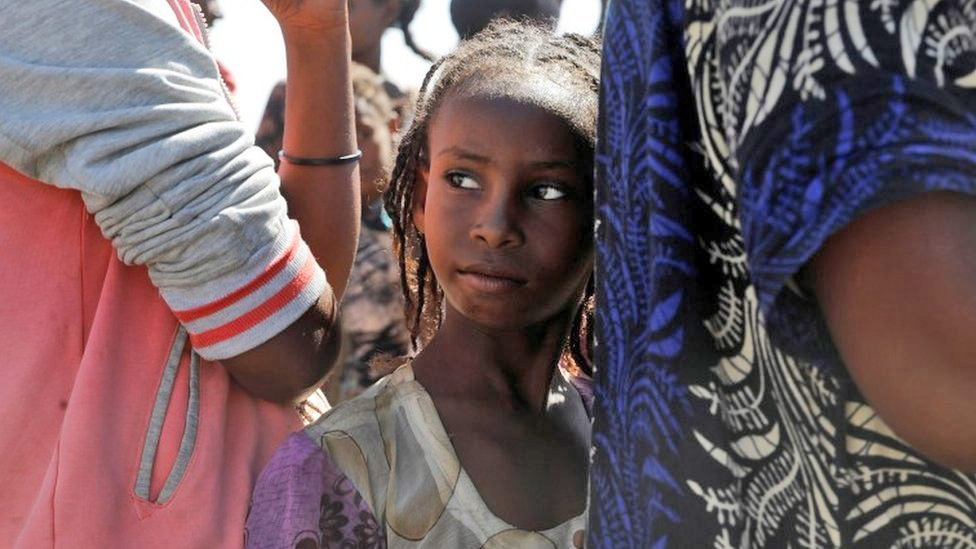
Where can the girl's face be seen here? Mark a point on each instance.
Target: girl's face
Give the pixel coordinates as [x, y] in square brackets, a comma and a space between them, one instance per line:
[506, 211]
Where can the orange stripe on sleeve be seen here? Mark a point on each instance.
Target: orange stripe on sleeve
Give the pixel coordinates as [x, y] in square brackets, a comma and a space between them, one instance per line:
[276, 267]
[257, 315]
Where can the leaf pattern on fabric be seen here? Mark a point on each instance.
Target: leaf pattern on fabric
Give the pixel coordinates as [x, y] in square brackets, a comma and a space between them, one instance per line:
[332, 520]
[736, 137]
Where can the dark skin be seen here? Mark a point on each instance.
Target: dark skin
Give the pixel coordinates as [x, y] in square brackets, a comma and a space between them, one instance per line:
[895, 288]
[374, 132]
[368, 19]
[324, 199]
[506, 212]
[288, 367]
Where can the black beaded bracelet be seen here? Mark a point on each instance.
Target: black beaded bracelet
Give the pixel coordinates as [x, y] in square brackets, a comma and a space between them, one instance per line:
[327, 161]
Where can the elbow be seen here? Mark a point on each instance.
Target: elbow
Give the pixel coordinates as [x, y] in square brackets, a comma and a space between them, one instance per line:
[289, 378]
[293, 364]
[306, 376]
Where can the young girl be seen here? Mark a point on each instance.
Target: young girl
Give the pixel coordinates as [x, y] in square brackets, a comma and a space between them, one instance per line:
[482, 438]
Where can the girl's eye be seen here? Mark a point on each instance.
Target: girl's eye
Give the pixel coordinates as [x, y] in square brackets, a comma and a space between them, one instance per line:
[548, 191]
[462, 181]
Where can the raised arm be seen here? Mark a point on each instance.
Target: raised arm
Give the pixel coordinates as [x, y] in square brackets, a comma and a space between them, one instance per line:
[319, 122]
[113, 99]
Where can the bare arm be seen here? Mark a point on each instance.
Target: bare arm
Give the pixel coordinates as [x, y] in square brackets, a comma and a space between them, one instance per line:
[319, 122]
[898, 290]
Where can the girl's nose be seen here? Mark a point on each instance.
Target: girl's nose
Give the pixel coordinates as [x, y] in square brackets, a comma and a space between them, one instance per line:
[496, 224]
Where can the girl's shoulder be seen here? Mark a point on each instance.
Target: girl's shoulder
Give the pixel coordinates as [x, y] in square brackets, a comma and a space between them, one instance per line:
[360, 415]
[344, 458]
[361, 435]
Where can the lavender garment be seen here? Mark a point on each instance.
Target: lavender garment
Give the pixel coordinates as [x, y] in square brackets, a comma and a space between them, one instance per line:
[584, 386]
[305, 502]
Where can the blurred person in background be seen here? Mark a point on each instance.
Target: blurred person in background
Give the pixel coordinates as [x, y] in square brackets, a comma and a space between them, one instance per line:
[368, 21]
[472, 16]
[373, 325]
[210, 9]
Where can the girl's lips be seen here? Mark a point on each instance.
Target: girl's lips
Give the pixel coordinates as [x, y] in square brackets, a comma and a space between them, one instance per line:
[490, 283]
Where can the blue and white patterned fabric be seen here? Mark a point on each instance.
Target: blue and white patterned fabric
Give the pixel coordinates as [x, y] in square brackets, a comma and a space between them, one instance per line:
[736, 136]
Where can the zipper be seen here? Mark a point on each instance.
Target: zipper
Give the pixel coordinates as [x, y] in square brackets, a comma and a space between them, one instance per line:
[205, 33]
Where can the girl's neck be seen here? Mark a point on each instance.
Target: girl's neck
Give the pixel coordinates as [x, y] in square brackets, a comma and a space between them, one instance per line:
[513, 368]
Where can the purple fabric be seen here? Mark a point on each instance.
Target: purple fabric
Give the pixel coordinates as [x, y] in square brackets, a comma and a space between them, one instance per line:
[290, 509]
[584, 386]
[303, 501]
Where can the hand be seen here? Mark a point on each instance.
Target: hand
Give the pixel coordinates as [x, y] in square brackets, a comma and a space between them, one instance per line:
[309, 15]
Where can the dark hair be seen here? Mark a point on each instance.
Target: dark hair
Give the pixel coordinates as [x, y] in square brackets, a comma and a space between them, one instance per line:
[408, 8]
[472, 16]
[498, 62]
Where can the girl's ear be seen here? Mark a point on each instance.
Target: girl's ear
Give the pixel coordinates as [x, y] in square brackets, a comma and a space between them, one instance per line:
[420, 195]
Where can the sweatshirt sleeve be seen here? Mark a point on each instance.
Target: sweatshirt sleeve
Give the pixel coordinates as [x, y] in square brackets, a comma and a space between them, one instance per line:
[113, 99]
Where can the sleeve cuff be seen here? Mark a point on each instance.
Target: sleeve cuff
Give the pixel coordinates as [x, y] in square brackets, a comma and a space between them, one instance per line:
[261, 308]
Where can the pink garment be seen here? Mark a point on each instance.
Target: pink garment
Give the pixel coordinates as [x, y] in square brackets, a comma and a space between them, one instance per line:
[114, 433]
[85, 341]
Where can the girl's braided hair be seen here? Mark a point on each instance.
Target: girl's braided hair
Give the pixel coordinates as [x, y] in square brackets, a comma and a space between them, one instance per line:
[504, 60]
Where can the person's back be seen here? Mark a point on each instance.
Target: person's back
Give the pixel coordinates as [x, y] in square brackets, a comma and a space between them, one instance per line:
[746, 379]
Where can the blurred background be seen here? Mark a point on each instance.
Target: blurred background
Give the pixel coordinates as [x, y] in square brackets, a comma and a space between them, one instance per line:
[247, 41]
